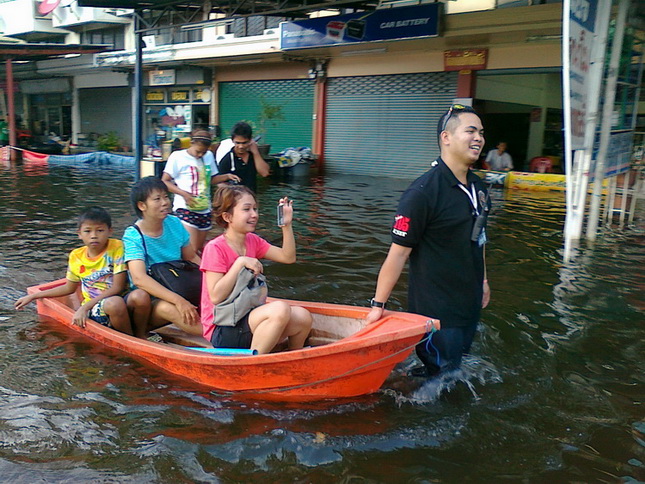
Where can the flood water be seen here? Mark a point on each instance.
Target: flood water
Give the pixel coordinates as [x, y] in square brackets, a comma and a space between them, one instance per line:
[552, 393]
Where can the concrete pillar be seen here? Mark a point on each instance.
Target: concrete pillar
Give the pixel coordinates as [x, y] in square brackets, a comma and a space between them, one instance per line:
[77, 126]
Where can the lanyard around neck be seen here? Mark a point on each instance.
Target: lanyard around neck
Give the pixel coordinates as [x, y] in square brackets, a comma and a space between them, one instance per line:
[472, 196]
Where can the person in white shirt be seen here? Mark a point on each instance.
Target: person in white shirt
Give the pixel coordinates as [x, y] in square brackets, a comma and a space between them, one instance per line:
[189, 174]
[499, 159]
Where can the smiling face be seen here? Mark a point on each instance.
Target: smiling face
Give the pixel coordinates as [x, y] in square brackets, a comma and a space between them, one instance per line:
[244, 216]
[94, 235]
[157, 205]
[463, 139]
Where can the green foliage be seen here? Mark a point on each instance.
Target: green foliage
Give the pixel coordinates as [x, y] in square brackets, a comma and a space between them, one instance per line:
[269, 114]
[109, 141]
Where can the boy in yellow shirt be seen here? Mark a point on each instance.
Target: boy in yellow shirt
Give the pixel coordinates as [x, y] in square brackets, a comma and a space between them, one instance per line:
[99, 268]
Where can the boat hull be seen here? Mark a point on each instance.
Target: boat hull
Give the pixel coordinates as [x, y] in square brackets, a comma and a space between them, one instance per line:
[357, 364]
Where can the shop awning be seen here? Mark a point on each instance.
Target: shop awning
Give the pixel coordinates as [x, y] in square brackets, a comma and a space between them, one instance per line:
[36, 51]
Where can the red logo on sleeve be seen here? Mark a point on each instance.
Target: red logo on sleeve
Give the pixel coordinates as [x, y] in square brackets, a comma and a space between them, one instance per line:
[401, 226]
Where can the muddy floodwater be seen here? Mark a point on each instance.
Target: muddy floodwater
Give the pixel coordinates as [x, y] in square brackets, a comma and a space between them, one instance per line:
[553, 392]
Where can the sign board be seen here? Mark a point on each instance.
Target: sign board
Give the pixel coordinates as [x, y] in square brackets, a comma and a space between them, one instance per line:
[155, 96]
[202, 95]
[181, 96]
[125, 58]
[164, 77]
[465, 59]
[582, 25]
[619, 152]
[354, 28]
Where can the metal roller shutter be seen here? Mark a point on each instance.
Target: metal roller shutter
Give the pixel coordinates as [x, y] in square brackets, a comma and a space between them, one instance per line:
[241, 101]
[106, 109]
[385, 125]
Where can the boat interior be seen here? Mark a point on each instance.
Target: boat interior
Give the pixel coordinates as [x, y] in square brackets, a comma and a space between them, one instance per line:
[326, 328]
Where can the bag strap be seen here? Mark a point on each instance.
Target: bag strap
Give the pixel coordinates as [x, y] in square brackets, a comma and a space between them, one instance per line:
[143, 239]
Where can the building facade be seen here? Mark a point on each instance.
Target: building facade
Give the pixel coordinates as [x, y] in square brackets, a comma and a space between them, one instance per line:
[365, 107]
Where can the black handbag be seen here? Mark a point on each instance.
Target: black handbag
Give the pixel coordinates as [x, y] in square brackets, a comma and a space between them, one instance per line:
[180, 276]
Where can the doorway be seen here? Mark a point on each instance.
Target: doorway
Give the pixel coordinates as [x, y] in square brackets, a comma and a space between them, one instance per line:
[512, 128]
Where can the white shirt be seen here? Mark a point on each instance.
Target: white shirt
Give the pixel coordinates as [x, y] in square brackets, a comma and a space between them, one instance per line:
[499, 162]
[192, 175]
[225, 146]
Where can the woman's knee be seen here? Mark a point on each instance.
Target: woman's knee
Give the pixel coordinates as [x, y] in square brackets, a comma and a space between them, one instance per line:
[279, 310]
[138, 298]
[301, 317]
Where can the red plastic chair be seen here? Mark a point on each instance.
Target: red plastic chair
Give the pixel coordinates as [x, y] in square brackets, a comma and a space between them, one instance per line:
[541, 164]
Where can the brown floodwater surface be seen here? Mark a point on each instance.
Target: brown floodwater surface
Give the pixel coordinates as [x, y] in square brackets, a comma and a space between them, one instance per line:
[553, 391]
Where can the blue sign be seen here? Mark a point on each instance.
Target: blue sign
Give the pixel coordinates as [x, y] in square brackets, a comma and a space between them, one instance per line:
[375, 25]
[583, 12]
[619, 153]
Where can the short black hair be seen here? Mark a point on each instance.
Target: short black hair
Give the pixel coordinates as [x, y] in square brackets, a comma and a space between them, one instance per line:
[450, 118]
[242, 129]
[143, 189]
[95, 214]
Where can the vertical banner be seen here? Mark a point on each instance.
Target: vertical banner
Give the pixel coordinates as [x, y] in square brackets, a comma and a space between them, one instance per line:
[581, 20]
[582, 45]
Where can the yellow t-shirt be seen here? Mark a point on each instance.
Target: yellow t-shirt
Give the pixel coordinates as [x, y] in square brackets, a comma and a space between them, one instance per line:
[96, 275]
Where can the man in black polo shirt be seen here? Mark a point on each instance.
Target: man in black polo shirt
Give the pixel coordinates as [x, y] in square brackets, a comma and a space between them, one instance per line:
[240, 160]
[440, 226]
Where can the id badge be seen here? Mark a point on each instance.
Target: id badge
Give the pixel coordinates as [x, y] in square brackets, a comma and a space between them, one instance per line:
[482, 238]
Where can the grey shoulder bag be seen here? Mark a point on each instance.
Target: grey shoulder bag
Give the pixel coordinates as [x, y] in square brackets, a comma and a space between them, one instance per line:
[250, 291]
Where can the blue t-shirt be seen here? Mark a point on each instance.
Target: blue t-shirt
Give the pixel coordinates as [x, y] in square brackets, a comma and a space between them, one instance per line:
[164, 248]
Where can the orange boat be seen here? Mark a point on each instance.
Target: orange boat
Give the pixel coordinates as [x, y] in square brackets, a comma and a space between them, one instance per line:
[345, 358]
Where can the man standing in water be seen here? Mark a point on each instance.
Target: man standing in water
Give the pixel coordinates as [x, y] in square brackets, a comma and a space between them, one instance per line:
[440, 226]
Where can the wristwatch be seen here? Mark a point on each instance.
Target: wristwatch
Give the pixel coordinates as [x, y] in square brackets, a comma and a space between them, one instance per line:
[377, 304]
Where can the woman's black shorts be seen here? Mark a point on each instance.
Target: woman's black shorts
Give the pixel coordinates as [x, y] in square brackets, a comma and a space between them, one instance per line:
[238, 336]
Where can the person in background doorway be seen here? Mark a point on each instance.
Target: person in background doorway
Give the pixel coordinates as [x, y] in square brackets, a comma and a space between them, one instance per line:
[499, 159]
[241, 160]
[440, 227]
[189, 174]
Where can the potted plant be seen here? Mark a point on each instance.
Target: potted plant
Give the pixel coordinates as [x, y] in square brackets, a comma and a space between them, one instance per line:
[270, 114]
[109, 141]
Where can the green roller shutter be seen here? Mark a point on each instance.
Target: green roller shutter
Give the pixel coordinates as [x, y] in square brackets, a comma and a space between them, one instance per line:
[241, 101]
[385, 125]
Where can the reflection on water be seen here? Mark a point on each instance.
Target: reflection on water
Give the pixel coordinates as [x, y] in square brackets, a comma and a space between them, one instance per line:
[553, 390]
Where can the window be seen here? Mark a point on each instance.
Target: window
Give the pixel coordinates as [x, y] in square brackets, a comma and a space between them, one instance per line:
[114, 36]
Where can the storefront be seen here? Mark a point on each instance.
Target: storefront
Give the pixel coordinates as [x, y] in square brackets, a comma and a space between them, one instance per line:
[173, 112]
[255, 101]
[104, 110]
[385, 125]
[50, 106]
[522, 107]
